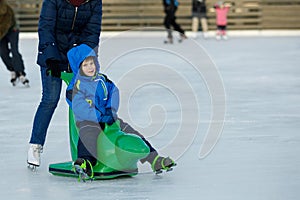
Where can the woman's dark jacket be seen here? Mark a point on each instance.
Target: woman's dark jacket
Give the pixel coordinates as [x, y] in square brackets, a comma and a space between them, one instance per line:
[63, 26]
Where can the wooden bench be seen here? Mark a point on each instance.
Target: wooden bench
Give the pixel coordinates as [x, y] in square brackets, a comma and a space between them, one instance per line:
[27, 13]
[120, 15]
[129, 14]
[281, 14]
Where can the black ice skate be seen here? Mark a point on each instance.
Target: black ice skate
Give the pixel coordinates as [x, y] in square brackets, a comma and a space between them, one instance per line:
[160, 163]
[84, 169]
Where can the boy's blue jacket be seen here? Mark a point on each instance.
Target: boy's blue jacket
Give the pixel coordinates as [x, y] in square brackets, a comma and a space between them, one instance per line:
[94, 99]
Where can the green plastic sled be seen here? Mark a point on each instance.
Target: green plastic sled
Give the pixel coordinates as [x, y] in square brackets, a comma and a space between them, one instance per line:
[117, 152]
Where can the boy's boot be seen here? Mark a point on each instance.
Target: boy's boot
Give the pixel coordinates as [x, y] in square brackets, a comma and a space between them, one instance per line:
[84, 169]
[34, 155]
[161, 163]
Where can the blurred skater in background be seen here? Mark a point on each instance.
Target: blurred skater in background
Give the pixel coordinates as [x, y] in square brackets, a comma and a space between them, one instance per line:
[199, 13]
[221, 19]
[170, 8]
[9, 45]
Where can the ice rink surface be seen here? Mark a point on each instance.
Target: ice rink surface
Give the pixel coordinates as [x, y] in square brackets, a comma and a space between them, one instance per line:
[172, 94]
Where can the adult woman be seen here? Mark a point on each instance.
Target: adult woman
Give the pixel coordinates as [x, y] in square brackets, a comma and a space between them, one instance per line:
[63, 24]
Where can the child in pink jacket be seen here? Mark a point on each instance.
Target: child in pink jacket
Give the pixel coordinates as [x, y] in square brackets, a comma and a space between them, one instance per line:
[221, 19]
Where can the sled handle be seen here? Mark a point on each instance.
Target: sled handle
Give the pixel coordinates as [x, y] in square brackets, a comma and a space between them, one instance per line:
[66, 77]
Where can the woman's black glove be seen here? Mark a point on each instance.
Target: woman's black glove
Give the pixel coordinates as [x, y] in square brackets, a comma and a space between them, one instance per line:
[53, 68]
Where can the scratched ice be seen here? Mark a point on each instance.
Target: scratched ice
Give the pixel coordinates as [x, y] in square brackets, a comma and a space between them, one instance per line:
[164, 96]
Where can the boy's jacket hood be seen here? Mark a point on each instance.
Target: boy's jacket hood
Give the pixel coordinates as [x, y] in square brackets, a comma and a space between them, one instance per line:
[78, 54]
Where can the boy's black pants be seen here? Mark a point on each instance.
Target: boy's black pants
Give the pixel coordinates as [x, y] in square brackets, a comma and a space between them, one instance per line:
[87, 143]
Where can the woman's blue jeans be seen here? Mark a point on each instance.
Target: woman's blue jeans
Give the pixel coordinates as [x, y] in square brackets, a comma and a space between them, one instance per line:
[51, 87]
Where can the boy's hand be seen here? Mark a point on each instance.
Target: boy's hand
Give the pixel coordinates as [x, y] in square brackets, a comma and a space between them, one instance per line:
[109, 117]
[108, 120]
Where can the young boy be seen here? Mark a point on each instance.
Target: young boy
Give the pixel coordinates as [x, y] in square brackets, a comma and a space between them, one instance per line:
[94, 100]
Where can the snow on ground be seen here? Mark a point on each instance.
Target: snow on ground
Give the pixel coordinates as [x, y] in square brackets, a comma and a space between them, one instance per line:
[177, 96]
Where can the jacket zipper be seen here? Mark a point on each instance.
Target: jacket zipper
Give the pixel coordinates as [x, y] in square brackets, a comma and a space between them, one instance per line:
[72, 28]
[73, 23]
[76, 11]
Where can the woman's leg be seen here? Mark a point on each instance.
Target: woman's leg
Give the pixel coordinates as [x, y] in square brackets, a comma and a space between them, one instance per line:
[50, 97]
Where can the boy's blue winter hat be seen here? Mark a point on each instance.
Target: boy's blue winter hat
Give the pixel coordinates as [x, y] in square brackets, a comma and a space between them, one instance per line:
[78, 54]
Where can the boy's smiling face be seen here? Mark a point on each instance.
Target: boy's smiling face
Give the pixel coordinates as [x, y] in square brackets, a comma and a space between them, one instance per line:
[88, 67]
